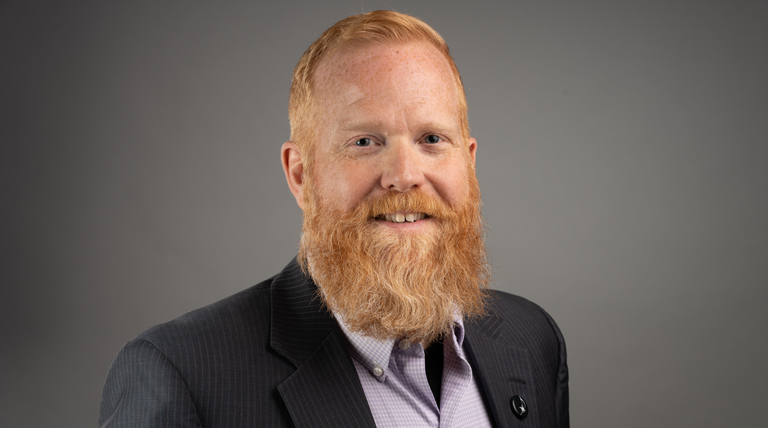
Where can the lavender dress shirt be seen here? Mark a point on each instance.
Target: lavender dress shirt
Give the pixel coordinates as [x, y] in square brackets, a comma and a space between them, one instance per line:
[394, 379]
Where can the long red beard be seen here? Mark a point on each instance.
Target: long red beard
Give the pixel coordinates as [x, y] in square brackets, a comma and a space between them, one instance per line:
[387, 284]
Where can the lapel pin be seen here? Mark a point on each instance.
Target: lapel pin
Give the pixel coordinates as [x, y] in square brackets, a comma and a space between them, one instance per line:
[519, 408]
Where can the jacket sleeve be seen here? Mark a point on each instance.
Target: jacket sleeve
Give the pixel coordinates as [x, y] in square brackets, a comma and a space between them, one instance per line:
[561, 386]
[144, 389]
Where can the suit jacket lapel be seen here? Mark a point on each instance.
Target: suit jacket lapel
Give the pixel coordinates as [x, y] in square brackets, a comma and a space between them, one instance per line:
[325, 389]
[502, 370]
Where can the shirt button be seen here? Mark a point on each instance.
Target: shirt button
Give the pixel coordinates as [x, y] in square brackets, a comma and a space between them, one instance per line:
[378, 371]
[404, 344]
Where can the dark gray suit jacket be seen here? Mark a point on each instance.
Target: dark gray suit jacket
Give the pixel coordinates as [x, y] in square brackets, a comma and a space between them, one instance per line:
[271, 356]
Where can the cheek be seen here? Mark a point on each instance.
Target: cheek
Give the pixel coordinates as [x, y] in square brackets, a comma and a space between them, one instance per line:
[346, 185]
[452, 182]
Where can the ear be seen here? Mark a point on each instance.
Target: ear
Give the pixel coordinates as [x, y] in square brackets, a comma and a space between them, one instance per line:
[294, 170]
[473, 150]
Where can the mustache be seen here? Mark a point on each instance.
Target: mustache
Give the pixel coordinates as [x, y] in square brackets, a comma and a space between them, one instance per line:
[413, 201]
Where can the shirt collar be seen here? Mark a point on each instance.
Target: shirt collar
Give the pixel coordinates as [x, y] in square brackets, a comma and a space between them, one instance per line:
[374, 353]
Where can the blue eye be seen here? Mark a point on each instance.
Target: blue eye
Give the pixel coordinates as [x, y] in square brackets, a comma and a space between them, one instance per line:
[432, 139]
[364, 142]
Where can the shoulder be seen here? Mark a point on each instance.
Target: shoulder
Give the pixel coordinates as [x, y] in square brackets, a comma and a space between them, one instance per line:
[243, 315]
[525, 323]
[222, 349]
[503, 301]
[515, 308]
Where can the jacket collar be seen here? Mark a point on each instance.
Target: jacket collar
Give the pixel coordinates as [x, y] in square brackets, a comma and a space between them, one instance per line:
[502, 370]
[325, 389]
[300, 322]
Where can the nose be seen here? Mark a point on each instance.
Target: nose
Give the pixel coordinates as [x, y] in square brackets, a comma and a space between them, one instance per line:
[402, 169]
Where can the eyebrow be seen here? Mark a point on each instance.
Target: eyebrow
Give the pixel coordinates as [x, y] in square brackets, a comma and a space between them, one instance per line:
[353, 125]
[360, 125]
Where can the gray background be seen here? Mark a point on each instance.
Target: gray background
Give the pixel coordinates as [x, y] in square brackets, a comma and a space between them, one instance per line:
[622, 158]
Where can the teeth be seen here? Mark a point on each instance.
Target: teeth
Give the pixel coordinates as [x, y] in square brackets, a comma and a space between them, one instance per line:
[401, 218]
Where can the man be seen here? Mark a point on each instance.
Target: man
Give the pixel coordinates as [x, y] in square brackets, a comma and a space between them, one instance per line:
[384, 319]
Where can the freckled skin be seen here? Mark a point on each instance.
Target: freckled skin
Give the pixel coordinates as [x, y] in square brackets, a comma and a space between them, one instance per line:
[398, 97]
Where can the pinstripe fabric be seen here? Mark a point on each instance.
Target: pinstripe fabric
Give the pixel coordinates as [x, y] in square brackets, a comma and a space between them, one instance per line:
[518, 350]
[271, 356]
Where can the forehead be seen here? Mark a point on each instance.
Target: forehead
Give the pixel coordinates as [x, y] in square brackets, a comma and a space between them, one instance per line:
[407, 69]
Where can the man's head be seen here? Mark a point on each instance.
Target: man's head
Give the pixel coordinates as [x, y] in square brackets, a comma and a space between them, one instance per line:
[380, 27]
[384, 171]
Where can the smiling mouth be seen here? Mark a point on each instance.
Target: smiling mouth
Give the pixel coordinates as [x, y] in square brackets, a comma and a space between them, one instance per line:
[401, 217]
